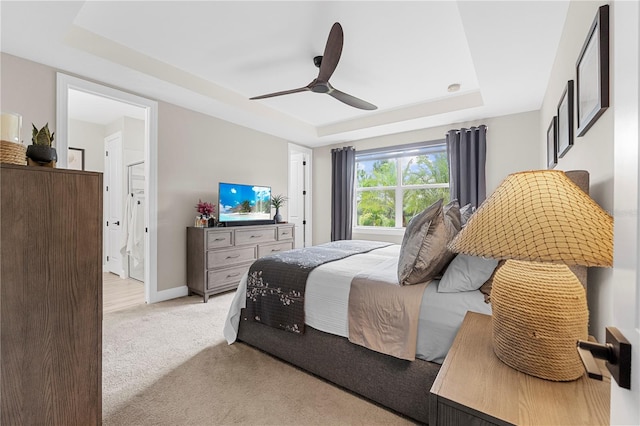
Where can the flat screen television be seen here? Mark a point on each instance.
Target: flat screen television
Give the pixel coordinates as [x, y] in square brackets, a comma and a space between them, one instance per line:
[240, 204]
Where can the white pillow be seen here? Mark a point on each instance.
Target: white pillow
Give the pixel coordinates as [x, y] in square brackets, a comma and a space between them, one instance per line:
[466, 273]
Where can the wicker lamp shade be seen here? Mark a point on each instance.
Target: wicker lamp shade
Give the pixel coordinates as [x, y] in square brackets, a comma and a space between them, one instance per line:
[542, 222]
[540, 216]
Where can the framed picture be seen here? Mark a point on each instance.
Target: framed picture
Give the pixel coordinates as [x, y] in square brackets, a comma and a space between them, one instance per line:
[75, 159]
[565, 120]
[552, 144]
[592, 73]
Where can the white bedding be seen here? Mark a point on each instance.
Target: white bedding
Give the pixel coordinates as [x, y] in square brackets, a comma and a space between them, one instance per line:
[327, 300]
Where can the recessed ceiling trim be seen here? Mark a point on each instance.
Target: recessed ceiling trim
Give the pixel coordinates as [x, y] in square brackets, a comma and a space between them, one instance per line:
[92, 43]
[421, 110]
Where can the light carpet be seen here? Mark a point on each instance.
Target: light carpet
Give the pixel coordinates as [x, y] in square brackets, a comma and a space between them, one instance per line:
[168, 364]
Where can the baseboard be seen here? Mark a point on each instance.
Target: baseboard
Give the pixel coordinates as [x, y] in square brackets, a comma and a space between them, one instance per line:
[172, 293]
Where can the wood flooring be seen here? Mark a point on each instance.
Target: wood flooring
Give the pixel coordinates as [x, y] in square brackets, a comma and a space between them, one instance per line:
[120, 294]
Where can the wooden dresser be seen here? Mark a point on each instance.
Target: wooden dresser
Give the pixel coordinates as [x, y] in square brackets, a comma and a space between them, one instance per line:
[218, 257]
[474, 387]
[51, 296]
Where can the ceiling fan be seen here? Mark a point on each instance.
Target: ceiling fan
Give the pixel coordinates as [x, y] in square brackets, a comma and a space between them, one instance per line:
[327, 64]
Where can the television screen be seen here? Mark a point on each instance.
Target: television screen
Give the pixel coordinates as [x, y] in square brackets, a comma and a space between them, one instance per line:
[239, 203]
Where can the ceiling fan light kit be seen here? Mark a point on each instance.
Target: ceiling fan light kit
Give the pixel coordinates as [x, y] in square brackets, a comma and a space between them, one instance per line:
[327, 64]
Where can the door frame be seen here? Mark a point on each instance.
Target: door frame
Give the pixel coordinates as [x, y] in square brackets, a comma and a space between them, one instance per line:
[626, 182]
[293, 148]
[64, 84]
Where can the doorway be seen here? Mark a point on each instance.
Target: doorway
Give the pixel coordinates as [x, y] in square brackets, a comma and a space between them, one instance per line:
[127, 125]
[299, 206]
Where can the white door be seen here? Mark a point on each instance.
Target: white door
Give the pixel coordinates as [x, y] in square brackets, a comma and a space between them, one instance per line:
[625, 407]
[113, 203]
[299, 204]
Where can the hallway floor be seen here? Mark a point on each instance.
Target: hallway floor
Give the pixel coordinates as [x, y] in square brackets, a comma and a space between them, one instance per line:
[120, 294]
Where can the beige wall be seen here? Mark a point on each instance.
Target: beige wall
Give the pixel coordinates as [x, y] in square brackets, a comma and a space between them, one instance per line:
[592, 152]
[90, 137]
[195, 152]
[28, 89]
[133, 141]
[512, 145]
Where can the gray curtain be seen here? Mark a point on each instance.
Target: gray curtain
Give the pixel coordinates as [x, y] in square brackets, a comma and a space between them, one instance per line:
[467, 152]
[343, 163]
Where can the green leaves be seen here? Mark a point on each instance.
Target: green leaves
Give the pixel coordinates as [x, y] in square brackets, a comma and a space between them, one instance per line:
[42, 136]
[278, 201]
[418, 181]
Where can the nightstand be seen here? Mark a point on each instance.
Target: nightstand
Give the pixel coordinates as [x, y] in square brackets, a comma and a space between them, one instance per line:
[474, 387]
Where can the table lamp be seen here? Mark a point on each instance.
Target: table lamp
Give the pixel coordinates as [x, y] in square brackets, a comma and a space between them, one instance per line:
[540, 222]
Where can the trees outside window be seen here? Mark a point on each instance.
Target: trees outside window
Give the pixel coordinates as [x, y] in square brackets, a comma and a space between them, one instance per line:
[392, 187]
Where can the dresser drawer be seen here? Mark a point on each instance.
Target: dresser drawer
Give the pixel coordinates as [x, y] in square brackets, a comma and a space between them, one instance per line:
[255, 236]
[267, 249]
[285, 233]
[222, 258]
[219, 239]
[220, 277]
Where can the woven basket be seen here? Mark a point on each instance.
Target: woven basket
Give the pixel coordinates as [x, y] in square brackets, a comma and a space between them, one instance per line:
[13, 153]
[539, 313]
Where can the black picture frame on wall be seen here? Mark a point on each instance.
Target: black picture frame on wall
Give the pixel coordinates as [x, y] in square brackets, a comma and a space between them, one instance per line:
[552, 144]
[592, 73]
[565, 120]
[75, 158]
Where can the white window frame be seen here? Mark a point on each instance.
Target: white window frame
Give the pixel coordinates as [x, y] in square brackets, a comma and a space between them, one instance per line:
[394, 152]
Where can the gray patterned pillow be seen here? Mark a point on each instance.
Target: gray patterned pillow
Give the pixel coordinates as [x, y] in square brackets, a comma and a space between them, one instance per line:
[424, 253]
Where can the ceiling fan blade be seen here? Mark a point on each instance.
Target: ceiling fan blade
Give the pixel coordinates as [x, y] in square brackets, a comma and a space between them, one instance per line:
[351, 100]
[332, 52]
[285, 92]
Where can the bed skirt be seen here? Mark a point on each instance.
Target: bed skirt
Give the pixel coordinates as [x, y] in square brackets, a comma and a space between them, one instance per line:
[402, 386]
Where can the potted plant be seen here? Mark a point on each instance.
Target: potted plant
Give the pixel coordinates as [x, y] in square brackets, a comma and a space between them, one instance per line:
[41, 150]
[278, 201]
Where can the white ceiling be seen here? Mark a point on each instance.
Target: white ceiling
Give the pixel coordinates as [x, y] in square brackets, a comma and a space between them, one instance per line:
[211, 56]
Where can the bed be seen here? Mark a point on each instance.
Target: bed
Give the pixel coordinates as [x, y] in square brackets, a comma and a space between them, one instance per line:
[324, 348]
[454, 285]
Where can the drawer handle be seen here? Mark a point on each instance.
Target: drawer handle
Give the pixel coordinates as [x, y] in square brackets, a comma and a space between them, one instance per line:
[272, 250]
[233, 257]
[285, 233]
[233, 275]
[256, 236]
[219, 239]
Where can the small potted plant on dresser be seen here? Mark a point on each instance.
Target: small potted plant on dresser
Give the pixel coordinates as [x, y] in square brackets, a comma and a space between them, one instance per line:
[41, 153]
[278, 201]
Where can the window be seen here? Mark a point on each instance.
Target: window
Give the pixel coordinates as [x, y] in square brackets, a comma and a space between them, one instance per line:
[394, 184]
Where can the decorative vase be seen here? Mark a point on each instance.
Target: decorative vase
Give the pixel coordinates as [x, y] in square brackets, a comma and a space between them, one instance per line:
[278, 217]
[202, 221]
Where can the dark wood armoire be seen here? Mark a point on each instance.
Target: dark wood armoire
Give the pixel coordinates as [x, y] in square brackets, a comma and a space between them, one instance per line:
[51, 296]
